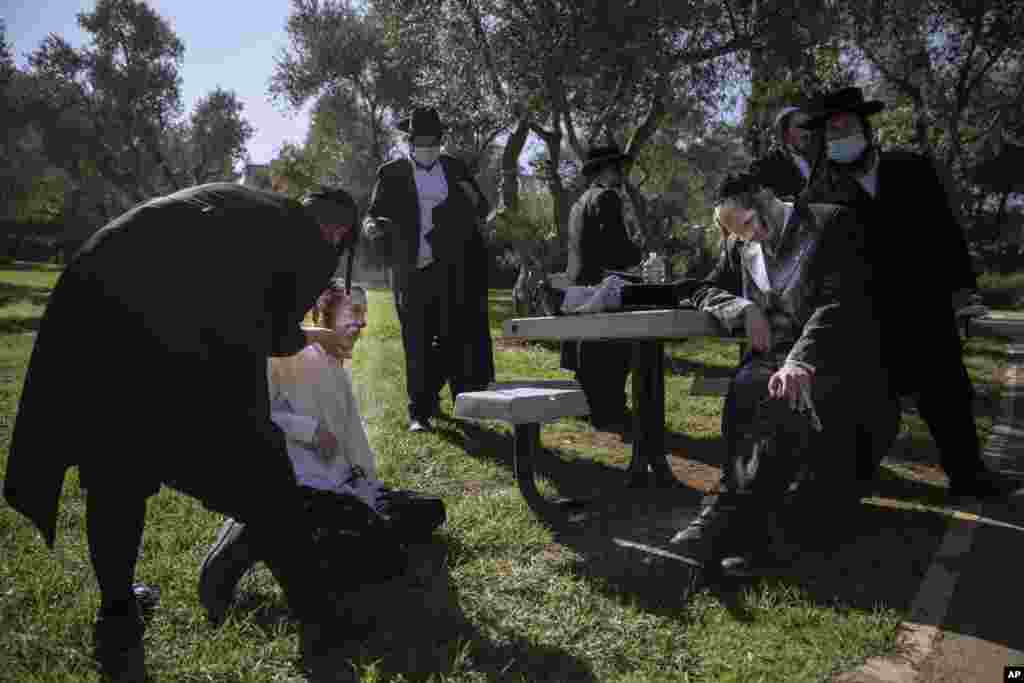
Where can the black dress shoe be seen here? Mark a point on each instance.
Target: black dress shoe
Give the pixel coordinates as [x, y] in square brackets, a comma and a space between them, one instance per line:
[419, 425]
[226, 562]
[984, 484]
[147, 597]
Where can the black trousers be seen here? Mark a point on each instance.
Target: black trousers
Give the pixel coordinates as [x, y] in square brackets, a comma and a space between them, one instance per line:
[428, 355]
[601, 370]
[945, 401]
[845, 406]
[116, 511]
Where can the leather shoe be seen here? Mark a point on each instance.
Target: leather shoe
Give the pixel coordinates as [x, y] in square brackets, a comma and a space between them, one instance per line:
[227, 561]
[419, 425]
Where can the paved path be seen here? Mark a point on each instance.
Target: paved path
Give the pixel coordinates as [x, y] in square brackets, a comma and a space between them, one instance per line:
[967, 622]
[984, 626]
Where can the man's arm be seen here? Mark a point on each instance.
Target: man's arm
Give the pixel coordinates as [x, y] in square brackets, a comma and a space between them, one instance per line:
[377, 247]
[721, 292]
[839, 297]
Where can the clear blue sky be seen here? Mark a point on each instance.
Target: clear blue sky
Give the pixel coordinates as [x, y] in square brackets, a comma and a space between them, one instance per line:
[228, 43]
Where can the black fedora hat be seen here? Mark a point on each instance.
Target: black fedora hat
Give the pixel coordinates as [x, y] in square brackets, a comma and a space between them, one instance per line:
[423, 121]
[601, 156]
[849, 100]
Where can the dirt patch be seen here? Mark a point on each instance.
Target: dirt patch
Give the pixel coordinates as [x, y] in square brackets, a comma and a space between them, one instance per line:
[604, 441]
[472, 488]
[694, 474]
[510, 343]
[1001, 375]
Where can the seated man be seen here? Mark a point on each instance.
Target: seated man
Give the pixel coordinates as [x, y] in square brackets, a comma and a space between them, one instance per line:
[361, 527]
[794, 277]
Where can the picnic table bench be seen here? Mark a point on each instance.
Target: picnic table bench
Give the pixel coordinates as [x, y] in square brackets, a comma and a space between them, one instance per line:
[529, 403]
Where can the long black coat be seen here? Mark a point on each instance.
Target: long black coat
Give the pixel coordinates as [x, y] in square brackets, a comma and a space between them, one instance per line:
[456, 243]
[918, 255]
[150, 363]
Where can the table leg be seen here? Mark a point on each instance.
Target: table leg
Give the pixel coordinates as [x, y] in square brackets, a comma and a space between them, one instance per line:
[527, 440]
[648, 361]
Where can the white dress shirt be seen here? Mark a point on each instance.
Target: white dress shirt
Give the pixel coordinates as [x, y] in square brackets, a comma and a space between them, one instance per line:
[802, 164]
[754, 255]
[869, 181]
[311, 467]
[431, 190]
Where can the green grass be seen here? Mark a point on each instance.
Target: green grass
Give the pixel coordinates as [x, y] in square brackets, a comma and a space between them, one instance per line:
[1002, 291]
[517, 600]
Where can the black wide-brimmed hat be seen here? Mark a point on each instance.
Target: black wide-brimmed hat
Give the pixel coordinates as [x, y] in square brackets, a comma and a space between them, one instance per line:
[734, 184]
[598, 157]
[424, 121]
[849, 100]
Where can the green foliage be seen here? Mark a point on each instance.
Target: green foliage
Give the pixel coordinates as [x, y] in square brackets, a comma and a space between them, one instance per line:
[109, 114]
[294, 170]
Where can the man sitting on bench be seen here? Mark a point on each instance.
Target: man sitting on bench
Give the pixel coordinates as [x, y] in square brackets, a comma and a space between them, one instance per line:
[794, 277]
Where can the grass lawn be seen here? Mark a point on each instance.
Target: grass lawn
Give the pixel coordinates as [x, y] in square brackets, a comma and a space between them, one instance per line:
[514, 600]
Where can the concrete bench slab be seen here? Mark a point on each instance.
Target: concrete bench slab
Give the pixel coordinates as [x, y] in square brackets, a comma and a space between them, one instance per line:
[522, 404]
[525, 405]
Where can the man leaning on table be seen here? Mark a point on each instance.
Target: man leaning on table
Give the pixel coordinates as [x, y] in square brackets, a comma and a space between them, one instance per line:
[793, 277]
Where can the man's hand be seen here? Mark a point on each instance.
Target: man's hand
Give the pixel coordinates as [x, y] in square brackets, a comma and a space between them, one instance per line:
[759, 331]
[325, 441]
[788, 382]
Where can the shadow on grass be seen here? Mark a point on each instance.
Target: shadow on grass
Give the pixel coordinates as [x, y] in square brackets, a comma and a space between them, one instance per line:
[680, 364]
[609, 527]
[858, 556]
[25, 266]
[420, 632]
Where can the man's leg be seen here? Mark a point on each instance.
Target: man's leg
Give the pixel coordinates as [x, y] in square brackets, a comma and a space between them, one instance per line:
[756, 473]
[946, 404]
[115, 518]
[418, 316]
[602, 368]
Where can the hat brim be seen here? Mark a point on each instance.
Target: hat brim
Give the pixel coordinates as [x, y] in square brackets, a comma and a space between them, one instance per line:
[817, 119]
[593, 165]
[405, 126]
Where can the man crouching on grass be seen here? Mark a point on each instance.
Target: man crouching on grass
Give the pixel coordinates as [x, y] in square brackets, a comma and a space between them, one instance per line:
[793, 276]
[150, 369]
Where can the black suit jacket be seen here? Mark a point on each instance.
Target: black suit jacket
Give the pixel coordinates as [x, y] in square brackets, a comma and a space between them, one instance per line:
[396, 242]
[819, 307]
[154, 343]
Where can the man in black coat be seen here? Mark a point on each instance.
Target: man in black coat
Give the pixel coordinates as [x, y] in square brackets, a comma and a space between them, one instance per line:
[788, 166]
[150, 369]
[424, 223]
[910, 229]
[794, 278]
[599, 241]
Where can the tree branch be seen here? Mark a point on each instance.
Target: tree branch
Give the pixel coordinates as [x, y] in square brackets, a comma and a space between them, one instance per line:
[485, 48]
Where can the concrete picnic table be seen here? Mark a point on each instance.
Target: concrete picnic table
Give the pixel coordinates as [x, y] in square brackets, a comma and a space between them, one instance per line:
[647, 330]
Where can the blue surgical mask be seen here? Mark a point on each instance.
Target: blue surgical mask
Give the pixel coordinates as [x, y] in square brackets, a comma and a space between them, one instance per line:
[426, 156]
[848, 149]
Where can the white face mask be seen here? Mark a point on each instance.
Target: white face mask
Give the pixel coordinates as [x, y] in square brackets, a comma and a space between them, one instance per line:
[848, 149]
[426, 156]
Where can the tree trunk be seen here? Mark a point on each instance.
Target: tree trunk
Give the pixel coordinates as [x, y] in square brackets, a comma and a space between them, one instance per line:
[510, 165]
